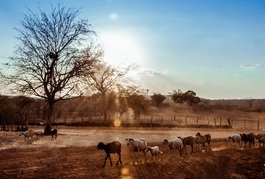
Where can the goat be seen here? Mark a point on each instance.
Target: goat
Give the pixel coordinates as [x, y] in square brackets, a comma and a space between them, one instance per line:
[110, 148]
[202, 139]
[27, 134]
[187, 141]
[154, 151]
[259, 136]
[38, 133]
[250, 138]
[138, 145]
[261, 141]
[54, 134]
[174, 144]
[236, 138]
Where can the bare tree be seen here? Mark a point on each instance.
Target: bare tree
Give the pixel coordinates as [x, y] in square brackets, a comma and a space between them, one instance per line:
[105, 80]
[54, 51]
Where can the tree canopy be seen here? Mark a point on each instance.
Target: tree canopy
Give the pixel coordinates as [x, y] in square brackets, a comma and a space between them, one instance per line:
[157, 99]
[189, 97]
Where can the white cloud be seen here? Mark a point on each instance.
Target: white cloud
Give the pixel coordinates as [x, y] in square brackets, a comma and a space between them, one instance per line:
[113, 16]
[152, 72]
[249, 66]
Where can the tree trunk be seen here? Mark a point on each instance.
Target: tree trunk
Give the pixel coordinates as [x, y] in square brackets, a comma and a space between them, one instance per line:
[105, 115]
[48, 126]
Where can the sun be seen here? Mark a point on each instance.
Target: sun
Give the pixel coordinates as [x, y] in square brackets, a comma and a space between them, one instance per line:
[121, 47]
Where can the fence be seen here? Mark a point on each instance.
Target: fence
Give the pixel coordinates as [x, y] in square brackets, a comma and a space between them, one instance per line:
[194, 121]
[10, 121]
[170, 121]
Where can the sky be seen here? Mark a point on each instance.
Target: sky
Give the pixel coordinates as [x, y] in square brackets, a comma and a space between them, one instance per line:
[214, 48]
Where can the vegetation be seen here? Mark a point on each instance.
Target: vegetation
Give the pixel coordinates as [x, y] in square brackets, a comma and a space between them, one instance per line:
[157, 99]
[87, 111]
[104, 82]
[188, 97]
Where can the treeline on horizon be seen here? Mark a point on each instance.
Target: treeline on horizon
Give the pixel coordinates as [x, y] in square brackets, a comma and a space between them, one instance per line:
[140, 104]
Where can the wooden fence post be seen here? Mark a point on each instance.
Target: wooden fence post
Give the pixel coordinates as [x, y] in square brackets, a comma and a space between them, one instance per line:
[27, 120]
[258, 123]
[74, 121]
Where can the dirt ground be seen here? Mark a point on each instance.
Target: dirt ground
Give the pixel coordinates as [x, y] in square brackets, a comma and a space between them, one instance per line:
[74, 155]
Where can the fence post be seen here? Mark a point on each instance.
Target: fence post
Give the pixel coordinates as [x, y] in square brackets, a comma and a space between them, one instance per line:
[74, 121]
[258, 123]
[27, 120]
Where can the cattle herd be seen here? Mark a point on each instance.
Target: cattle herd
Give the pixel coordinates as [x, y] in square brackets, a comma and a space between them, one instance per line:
[197, 144]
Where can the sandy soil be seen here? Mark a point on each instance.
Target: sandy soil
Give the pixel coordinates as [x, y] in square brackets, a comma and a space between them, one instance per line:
[74, 155]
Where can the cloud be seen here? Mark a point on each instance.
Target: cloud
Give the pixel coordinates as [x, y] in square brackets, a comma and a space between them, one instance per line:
[249, 66]
[113, 16]
[152, 72]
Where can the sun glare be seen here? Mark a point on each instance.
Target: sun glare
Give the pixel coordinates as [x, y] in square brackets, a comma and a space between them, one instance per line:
[117, 122]
[121, 48]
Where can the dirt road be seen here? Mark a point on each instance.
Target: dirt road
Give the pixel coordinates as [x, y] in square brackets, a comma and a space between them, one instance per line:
[74, 155]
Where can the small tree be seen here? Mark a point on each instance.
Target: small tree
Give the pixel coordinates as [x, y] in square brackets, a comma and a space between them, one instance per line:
[132, 97]
[177, 96]
[139, 104]
[188, 97]
[54, 51]
[157, 99]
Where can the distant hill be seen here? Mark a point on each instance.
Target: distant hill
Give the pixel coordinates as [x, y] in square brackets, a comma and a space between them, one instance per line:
[235, 102]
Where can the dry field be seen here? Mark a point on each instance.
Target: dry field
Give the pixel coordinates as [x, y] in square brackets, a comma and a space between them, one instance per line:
[74, 155]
